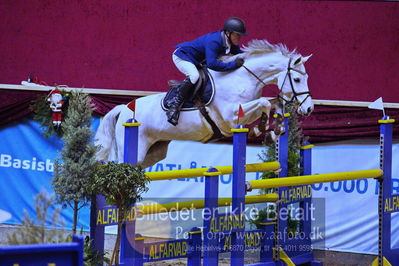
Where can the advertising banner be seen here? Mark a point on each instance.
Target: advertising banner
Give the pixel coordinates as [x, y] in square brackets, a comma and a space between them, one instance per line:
[27, 165]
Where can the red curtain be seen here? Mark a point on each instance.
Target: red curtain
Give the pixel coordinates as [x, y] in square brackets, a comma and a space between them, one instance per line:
[14, 104]
[331, 123]
[325, 124]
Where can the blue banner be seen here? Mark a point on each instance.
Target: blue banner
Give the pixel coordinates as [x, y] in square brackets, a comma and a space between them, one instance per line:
[27, 166]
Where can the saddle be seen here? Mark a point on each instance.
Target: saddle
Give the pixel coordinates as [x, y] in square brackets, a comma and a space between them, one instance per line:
[202, 95]
[204, 90]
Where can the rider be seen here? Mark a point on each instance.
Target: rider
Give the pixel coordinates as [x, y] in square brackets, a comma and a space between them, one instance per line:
[189, 56]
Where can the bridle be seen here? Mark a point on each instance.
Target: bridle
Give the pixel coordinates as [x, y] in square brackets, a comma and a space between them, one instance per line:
[288, 74]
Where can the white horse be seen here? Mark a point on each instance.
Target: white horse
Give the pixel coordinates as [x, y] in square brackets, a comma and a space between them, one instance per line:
[264, 64]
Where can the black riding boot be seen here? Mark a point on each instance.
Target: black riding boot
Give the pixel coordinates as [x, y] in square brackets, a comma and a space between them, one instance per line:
[177, 102]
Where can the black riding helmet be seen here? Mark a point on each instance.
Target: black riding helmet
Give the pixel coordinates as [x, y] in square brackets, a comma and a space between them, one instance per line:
[236, 25]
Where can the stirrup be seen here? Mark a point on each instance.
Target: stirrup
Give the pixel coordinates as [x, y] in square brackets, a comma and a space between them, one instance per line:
[173, 117]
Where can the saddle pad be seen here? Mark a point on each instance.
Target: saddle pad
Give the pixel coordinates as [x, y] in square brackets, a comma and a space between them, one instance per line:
[205, 93]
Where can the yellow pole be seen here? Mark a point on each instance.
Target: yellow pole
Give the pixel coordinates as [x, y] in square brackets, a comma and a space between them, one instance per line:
[313, 179]
[199, 204]
[196, 172]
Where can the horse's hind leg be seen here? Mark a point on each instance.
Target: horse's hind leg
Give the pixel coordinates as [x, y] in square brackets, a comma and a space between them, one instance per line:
[143, 146]
[156, 153]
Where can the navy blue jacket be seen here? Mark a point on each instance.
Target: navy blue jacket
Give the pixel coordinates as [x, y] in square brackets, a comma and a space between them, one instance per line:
[206, 49]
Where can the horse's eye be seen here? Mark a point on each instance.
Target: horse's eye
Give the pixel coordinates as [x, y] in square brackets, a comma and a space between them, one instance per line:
[297, 80]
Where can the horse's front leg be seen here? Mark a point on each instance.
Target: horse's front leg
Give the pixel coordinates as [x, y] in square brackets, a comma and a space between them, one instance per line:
[252, 111]
[279, 128]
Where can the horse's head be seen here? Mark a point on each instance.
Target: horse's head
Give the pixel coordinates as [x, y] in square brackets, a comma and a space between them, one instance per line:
[270, 63]
[293, 84]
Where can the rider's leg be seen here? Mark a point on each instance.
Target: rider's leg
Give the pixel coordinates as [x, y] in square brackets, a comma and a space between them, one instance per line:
[187, 68]
[184, 89]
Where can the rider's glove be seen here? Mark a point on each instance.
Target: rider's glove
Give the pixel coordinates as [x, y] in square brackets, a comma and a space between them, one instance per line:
[239, 61]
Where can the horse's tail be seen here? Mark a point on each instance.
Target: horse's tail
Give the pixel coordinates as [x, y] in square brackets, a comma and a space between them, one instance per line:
[105, 135]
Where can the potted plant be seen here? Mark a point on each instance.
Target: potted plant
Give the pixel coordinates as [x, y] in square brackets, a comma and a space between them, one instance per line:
[122, 185]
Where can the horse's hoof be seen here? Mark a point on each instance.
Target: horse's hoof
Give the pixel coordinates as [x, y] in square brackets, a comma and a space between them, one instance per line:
[279, 131]
[251, 133]
[268, 140]
[255, 131]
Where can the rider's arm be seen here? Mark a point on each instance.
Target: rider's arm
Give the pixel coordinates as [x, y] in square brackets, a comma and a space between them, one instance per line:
[213, 50]
[235, 49]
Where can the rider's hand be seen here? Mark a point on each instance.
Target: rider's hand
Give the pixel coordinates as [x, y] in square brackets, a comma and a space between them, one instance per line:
[239, 61]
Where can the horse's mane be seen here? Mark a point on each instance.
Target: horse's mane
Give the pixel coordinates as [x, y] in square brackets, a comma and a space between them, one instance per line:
[261, 47]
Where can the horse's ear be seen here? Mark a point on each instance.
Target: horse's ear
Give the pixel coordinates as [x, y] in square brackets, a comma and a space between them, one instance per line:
[301, 60]
[304, 59]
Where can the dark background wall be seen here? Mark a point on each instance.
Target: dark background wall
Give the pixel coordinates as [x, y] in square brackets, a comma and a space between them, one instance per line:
[127, 44]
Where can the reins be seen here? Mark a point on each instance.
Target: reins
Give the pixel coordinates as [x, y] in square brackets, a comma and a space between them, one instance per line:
[288, 74]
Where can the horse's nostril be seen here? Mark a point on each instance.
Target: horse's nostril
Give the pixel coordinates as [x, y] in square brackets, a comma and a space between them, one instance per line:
[309, 110]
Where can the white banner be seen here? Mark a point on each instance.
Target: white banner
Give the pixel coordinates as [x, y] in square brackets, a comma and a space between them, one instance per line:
[351, 222]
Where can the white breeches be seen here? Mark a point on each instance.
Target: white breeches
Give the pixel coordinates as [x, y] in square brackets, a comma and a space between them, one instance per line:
[187, 68]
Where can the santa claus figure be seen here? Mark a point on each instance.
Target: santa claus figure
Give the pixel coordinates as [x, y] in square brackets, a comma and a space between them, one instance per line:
[56, 103]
